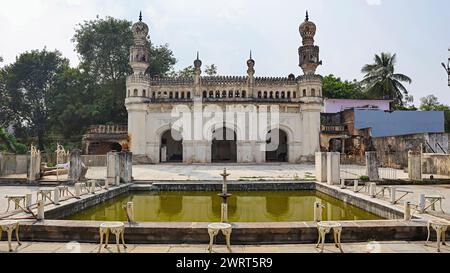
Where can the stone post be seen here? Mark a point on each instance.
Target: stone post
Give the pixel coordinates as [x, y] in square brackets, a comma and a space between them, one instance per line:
[407, 213]
[130, 211]
[414, 166]
[421, 203]
[317, 212]
[77, 190]
[372, 166]
[355, 185]
[93, 186]
[112, 167]
[343, 183]
[393, 197]
[106, 184]
[28, 200]
[76, 166]
[40, 210]
[128, 167]
[372, 190]
[333, 168]
[34, 165]
[321, 167]
[56, 196]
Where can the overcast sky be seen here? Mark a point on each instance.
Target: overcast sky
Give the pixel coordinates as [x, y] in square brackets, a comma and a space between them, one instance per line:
[349, 33]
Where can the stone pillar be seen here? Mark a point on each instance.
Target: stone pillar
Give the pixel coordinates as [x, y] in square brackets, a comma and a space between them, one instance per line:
[77, 190]
[318, 212]
[421, 203]
[34, 165]
[355, 185]
[407, 213]
[393, 193]
[92, 186]
[56, 196]
[372, 166]
[76, 166]
[321, 167]
[333, 168]
[28, 200]
[40, 210]
[112, 167]
[128, 167]
[343, 183]
[414, 166]
[372, 189]
[106, 184]
[130, 211]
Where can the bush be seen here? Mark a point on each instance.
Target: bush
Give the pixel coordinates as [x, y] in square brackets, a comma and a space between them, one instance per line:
[364, 178]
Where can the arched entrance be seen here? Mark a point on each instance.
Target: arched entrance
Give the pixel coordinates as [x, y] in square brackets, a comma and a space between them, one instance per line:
[277, 146]
[171, 147]
[224, 146]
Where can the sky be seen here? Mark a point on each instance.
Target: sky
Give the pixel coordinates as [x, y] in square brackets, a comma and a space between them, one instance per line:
[350, 33]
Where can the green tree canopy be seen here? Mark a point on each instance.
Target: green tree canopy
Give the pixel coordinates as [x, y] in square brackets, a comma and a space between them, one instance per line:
[431, 103]
[103, 46]
[30, 83]
[381, 79]
[335, 88]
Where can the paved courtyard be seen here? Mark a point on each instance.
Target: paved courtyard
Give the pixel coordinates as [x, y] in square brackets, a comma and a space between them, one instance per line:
[372, 247]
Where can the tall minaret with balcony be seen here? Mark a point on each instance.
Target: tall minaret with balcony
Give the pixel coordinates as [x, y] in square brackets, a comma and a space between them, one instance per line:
[138, 85]
[138, 91]
[310, 87]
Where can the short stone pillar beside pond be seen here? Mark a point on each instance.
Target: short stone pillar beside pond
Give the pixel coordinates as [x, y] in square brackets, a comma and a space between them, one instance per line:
[372, 166]
[321, 167]
[76, 166]
[414, 166]
[112, 167]
[127, 167]
[333, 168]
[34, 165]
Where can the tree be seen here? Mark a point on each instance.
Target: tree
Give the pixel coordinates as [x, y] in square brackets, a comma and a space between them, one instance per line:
[211, 70]
[103, 46]
[380, 79]
[335, 88]
[431, 103]
[30, 83]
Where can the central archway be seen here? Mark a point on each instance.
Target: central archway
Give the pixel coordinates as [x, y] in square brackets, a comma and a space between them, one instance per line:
[224, 145]
[171, 147]
[277, 146]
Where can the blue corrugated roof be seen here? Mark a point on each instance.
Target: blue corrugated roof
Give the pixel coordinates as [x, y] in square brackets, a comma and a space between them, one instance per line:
[399, 122]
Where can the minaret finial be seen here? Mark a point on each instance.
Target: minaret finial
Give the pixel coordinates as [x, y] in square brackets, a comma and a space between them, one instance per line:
[250, 54]
[307, 16]
[140, 16]
[198, 56]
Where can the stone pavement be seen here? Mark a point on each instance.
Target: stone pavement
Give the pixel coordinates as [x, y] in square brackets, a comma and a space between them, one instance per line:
[373, 247]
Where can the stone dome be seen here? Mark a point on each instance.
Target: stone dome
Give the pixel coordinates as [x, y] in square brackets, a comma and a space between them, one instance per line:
[308, 31]
[140, 29]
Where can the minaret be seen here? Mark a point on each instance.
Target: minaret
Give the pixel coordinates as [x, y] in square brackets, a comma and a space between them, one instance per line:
[139, 54]
[251, 75]
[138, 84]
[308, 52]
[310, 89]
[197, 70]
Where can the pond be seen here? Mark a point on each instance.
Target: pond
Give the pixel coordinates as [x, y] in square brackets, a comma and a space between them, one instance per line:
[283, 206]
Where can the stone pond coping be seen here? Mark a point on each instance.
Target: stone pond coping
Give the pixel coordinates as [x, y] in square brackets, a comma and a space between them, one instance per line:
[243, 233]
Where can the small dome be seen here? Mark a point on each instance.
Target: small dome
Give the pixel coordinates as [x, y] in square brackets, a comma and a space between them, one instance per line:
[308, 31]
[197, 62]
[250, 61]
[140, 29]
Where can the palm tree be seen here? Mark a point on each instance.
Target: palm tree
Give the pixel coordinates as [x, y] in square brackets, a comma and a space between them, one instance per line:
[381, 80]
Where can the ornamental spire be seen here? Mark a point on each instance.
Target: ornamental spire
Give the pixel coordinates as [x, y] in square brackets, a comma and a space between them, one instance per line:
[140, 16]
[307, 16]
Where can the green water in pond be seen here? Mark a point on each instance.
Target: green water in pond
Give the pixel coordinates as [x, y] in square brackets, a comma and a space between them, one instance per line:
[242, 207]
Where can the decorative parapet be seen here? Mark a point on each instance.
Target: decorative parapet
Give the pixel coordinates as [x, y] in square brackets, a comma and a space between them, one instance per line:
[108, 129]
[224, 80]
[171, 81]
[274, 81]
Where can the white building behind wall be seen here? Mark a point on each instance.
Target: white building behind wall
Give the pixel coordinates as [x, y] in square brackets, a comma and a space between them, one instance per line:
[151, 102]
